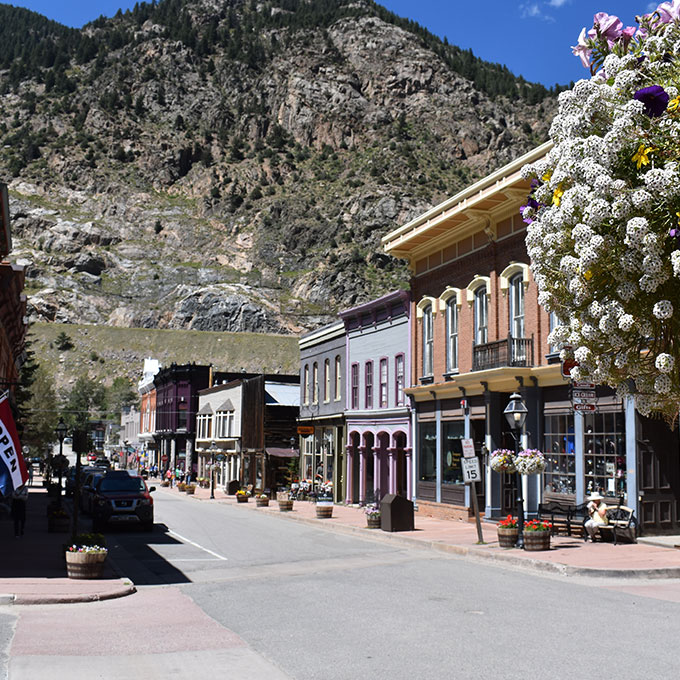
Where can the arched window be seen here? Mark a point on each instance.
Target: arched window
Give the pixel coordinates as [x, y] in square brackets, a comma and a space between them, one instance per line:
[305, 385]
[450, 301]
[315, 383]
[428, 341]
[327, 380]
[481, 313]
[338, 377]
[516, 305]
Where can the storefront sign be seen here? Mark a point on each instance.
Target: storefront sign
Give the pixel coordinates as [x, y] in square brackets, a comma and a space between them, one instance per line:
[580, 385]
[305, 430]
[585, 395]
[471, 471]
[584, 407]
[468, 448]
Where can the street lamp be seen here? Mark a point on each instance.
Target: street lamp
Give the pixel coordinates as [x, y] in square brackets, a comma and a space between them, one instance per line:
[213, 449]
[516, 413]
[60, 431]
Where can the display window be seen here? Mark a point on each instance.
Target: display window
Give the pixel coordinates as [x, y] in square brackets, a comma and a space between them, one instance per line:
[605, 453]
[559, 449]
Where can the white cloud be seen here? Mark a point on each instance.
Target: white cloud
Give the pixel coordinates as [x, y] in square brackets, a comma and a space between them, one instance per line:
[532, 10]
[557, 3]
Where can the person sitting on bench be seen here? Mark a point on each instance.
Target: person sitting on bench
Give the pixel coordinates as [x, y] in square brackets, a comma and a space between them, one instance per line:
[597, 511]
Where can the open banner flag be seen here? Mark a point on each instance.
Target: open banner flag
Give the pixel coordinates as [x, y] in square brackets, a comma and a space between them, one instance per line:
[13, 472]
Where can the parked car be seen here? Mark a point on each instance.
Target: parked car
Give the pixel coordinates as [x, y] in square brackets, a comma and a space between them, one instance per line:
[122, 498]
[88, 488]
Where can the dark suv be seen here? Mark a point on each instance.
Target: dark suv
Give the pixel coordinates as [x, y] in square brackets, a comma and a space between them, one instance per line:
[122, 498]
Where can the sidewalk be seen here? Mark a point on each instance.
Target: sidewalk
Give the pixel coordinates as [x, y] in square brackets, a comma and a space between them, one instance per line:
[33, 571]
[650, 558]
[32, 567]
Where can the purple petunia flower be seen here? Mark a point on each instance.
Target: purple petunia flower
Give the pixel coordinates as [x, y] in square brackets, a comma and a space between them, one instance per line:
[655, 99]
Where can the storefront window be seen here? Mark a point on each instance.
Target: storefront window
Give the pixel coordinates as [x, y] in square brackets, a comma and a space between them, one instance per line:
[605, 453]
[452, 452]
[428, 452]
[558, 446]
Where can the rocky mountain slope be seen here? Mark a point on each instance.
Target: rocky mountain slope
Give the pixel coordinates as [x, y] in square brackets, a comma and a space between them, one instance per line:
[231, 165]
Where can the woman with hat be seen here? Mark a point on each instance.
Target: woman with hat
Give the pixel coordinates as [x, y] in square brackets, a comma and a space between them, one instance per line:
[598, 514]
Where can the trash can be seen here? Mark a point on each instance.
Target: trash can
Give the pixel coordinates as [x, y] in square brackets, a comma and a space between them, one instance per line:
[396, 513]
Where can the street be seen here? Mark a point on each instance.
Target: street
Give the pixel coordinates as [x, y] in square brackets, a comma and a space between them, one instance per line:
[242, 593]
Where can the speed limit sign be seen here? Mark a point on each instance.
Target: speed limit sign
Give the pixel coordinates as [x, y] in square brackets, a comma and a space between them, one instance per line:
[471, 471]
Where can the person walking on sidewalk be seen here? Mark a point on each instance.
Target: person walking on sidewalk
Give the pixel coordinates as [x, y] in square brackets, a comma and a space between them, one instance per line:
[598, 514]
[19, 498]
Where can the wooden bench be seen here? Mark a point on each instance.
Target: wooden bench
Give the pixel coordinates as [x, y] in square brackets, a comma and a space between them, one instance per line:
[565, 519]
[622, 521]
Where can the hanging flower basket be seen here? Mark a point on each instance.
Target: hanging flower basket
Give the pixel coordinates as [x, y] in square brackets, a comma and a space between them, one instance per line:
[502, 460]
[530, 462]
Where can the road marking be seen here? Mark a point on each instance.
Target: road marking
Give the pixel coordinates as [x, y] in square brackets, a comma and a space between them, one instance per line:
[200, 547]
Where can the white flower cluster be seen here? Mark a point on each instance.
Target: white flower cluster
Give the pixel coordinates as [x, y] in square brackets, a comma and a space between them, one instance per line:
[604, 222]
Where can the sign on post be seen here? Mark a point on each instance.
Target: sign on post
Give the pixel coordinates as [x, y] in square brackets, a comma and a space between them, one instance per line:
[471, 471]
[468, 448]
[471, 475]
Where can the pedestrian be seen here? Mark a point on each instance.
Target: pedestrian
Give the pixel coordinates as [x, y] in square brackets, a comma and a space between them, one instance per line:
[19, 498]
[30, 474]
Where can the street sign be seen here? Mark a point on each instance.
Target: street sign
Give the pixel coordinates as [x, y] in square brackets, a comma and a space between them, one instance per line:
[580, 385]
[567, 365]
[583, 394]
[164, 458]
[471, 471]
[584, 407]
[468, 448]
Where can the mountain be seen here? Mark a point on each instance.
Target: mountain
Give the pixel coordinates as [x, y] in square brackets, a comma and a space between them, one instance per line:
[231, 165]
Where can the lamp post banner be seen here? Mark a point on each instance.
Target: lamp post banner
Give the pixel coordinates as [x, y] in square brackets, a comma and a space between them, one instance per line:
[16, 473]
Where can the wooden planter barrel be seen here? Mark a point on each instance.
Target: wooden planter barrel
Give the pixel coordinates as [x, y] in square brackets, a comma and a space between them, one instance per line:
[324, 511]
[507, 536]
[262, 502]
[241, 499]
[537, 540]
[285, 506]
[85, 565]
[190, 490]
[373, 522]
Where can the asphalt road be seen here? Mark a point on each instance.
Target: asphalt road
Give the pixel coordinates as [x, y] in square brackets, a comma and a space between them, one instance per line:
[230, 590]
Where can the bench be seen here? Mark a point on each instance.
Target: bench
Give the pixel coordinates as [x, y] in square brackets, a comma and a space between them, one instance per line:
[622, 521]
[564, 518]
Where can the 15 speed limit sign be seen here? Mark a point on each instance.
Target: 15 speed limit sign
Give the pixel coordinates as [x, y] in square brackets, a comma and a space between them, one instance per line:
[471, 471]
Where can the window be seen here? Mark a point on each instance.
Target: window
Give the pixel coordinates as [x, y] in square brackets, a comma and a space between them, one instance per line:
[383, 383]
[305, 386]
[481, 316]
[516, 299]
[327, 380]
[554, 323]
[427, 341]
[203, 423]
[182, 416]
[399, 378]
[558, 445]
[452, 472]
[225, 424]
[368, 385]
[428, 452]
[355, 386]
[338, 378]
[605, 453]
[451, 335]
[315, 383]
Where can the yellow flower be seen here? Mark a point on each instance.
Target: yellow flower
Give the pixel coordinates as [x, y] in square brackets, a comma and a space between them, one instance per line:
[641, 156]
[547, 176]
[673, 104]
[587, 275]
[557, 195]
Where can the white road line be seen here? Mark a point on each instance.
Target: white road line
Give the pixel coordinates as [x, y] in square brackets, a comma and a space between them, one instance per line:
[200, 547]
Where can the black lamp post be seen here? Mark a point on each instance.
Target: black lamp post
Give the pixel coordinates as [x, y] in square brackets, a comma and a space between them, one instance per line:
[60, 431]
[213, 448]
[516, 413]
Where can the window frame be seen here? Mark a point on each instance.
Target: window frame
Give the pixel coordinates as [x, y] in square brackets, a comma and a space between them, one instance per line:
[383, 395]
[399, 378]
[354, 377]
[368, 385]
[428, 341]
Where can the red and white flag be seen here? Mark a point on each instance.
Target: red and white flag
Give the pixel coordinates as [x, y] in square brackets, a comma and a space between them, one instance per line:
[10, 449]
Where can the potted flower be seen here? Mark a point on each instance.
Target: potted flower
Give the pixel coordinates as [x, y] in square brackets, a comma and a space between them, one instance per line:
[530, 462]
[241, 496]
[86, 557]
[502, 460]
[285, 502]
[508, 531]
[372, 513]
[537, 535]
[262, 500]
[324, 506]
[190, 489]
[58, 520]
[181, 486]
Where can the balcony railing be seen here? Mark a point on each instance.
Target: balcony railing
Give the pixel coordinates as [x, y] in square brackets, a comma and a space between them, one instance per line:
[508, 352]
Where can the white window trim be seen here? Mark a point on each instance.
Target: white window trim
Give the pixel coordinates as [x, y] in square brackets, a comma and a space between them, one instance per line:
[477, 282]
[510, 271]
[447, 295]
[422, 305]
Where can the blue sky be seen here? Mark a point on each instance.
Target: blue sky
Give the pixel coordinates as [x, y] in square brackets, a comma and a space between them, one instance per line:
[531, 37]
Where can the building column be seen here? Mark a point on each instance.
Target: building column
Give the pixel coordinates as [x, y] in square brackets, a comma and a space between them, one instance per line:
[376, 473]
[349, 474]
[409, 474]
[392, 468]
[632, 493]
[362, 474]
[579, 457]
[173, 454]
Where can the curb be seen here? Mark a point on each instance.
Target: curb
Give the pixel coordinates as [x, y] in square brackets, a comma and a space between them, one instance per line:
[71, 599]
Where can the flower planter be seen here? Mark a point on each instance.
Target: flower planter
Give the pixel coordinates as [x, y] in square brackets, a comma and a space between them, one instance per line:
[285, 506]
[241, 499]
[324, 511]
[373, 522]
[84, 564]
[58, 525]
[537, 540]
[190, 490]
[262, 502]
[507, 537]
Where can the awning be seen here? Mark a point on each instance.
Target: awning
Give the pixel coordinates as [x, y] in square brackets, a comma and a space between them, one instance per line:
[226, 406]
[279, 452]
[205, 410]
